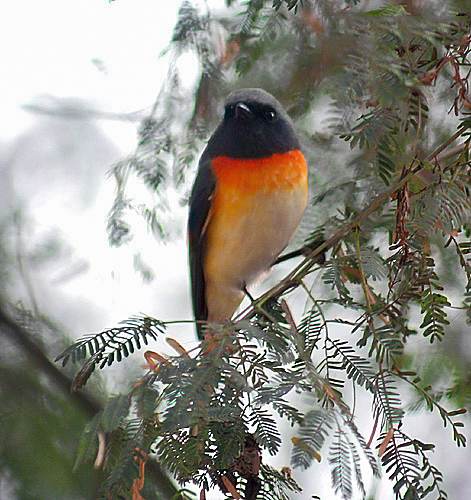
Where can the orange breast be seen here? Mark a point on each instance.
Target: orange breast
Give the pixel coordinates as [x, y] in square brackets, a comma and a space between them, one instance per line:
[279, 171]
[255, 210]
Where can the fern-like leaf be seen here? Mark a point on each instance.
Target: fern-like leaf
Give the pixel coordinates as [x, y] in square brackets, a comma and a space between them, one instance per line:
[111, 345]
[316, 427]
[277, 485]
[341, 461]
[386, 401]
[357, 368]
[371, 458]
[266, 430]
[310, 329]
[433, 304]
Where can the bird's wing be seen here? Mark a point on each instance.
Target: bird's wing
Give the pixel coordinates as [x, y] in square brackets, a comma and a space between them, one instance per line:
[200, 205]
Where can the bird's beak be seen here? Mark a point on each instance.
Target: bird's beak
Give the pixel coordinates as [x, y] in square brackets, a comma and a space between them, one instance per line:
[242, 111]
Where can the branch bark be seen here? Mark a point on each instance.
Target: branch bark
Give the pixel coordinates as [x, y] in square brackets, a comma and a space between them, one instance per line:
[293, 279]
[23, 340]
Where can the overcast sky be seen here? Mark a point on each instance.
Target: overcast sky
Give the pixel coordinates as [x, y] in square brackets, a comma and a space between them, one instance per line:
[56, 47]
[108, 55]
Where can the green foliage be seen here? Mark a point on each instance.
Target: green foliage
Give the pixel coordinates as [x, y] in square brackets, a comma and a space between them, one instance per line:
[316, 427]
[406, 462]
[50, 428]
[341, 462]
[358, 369]
[433, 305]
[266, 431]
[432, 400]
[110, 345]
[277, 485]
[393, 206]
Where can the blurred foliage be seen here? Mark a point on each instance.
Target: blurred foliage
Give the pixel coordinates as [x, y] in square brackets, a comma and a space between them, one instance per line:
[39, 430]
[40, 421]
[380, 95]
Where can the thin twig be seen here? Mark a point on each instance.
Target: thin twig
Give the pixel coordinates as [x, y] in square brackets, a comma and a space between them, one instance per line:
[295, 276]
[292, 279]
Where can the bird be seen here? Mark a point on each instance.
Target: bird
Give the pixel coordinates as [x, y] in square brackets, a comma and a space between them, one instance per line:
[247, 200]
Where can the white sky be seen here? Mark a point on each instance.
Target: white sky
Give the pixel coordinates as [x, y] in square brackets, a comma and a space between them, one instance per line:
[49, 48]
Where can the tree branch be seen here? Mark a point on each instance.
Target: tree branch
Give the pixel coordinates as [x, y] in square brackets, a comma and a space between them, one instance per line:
[293, 279]
[22, 338]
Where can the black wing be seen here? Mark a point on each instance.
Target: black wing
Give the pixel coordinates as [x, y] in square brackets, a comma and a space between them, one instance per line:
[200, 205]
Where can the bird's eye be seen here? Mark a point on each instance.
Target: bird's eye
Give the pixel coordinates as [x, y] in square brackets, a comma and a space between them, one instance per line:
[228, 112]
[270, 115]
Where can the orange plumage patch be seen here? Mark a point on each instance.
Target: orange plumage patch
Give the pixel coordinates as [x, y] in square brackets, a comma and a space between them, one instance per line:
[279, 171]
[255, 210]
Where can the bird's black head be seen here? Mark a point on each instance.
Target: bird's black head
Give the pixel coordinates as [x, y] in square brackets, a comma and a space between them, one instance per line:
[254, 125]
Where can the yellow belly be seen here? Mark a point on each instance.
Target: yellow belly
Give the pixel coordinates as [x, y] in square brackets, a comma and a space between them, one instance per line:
[255, 211]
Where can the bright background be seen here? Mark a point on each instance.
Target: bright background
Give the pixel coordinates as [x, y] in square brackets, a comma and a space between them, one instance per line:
[101, 58]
